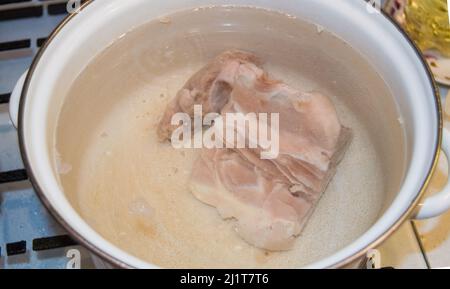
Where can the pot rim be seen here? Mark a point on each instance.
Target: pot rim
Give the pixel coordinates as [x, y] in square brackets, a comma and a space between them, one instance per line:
[115, 261]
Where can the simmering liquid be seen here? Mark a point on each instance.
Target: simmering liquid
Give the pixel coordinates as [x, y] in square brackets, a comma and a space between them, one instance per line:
[133, 190]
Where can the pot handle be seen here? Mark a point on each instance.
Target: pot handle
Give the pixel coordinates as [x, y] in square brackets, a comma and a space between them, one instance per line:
[438, 203]
[14, 100]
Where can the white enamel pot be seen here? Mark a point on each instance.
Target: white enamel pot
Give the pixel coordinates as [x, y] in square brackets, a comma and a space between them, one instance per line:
[39, 93]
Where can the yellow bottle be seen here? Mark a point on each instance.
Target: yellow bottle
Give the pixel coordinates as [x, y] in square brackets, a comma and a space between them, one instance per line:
[428, 24]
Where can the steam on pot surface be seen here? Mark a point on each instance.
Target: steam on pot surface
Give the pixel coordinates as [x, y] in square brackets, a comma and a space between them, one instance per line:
[148, 197]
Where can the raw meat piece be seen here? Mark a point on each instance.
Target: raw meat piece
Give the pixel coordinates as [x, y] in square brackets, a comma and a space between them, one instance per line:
[267, 214]
[208, 87]
[270, 199]
[312, 140]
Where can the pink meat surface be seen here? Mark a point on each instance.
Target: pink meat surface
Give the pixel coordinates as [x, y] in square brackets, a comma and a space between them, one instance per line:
[207, 87]
[270, 199]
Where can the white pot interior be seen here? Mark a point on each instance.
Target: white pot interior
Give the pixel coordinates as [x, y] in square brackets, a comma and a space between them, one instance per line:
[397, 110]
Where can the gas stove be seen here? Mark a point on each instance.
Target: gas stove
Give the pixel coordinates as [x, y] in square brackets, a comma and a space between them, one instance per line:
[29, 236]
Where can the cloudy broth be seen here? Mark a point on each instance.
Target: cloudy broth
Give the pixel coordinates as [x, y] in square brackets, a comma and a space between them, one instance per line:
[133, 190]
